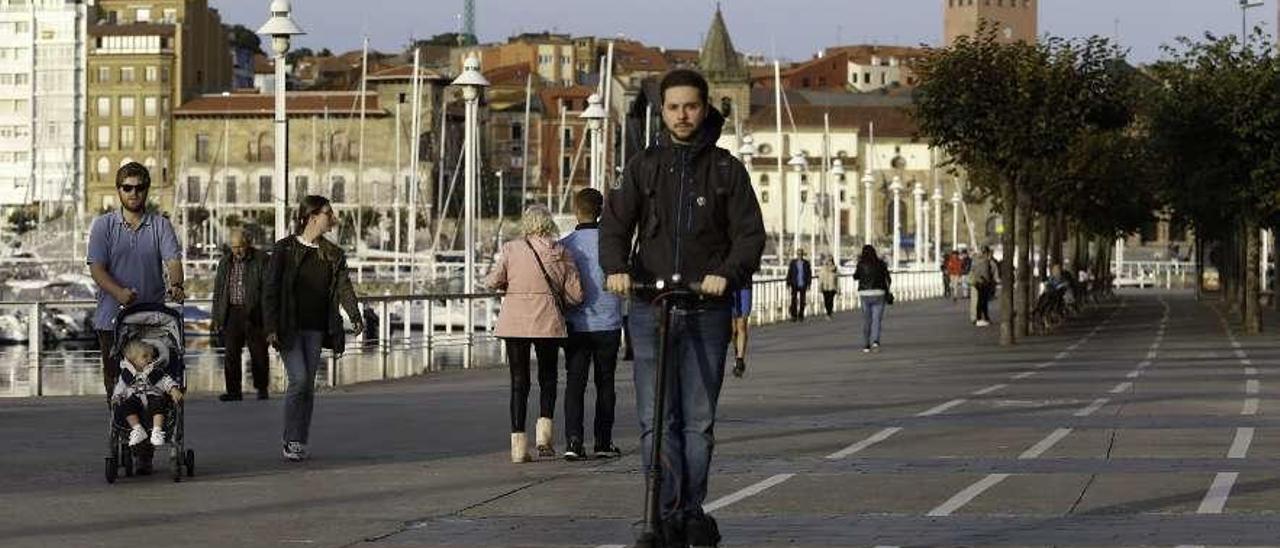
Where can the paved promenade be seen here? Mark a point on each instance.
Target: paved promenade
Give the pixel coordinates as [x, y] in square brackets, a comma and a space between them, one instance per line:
[1146, 422]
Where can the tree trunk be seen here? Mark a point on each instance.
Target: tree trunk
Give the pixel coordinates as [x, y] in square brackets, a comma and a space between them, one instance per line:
[1252, 302]
[1059, 240]
[1046, 235]
[1009, 196]
[1025, 293]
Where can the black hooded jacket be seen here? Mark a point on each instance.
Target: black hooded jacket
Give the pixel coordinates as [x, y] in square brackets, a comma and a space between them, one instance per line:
[690, 209]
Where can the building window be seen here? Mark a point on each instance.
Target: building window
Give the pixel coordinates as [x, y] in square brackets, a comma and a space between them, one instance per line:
[104, 106]
[126, 106]
[127, 134]
[202, 147]
[517, 131]
[193, 190]
[170, 16]
[127, 74]
[764, 178]
[764, 196]
[104, 74]
[566, 139]
[149, 106]
[866, 77]
[565, 166]
[104, 137]
[104, 166]
[149, 138]
[143, 15]
[264, 189]
[301, 183]
[229, 190]
[804, 196]
[339, 191]
[151, 73]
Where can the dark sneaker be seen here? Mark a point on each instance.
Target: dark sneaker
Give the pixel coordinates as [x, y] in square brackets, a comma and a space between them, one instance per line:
[574, 450]
[607, 451]
[739, 367]
[673, 534]
[231, 397]
[701, 531]
[295, 451]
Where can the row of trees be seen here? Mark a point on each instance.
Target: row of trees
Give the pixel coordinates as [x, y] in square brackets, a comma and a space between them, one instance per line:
[1070, 142]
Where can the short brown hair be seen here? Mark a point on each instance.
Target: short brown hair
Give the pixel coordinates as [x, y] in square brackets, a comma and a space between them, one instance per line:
[588, 201]
[133, 169]
[683, 77]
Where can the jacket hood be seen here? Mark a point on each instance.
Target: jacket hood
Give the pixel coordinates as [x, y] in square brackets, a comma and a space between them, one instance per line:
[707, 135]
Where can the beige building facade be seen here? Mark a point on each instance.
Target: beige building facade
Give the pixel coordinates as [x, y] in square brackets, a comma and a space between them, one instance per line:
[1016, 20]
[144, 58]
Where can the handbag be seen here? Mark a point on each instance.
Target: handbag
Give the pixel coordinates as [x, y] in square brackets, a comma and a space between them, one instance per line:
[556, 294]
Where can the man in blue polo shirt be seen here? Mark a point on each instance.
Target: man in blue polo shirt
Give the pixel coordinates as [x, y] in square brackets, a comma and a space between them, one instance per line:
[130, 253]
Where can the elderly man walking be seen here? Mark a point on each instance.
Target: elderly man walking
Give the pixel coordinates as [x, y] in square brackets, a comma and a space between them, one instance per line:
[237, 313]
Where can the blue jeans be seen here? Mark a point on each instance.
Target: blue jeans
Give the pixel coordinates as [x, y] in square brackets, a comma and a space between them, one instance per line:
[301, 362]
[872, 316]
[697, 345]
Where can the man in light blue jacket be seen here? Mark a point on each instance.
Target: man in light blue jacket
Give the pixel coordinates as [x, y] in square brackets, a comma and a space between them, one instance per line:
[595, 329]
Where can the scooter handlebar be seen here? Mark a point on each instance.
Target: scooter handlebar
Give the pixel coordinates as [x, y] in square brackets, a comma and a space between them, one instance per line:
[666, 285]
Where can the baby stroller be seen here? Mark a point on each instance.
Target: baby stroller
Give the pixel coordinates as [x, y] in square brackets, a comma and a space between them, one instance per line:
[161, 327]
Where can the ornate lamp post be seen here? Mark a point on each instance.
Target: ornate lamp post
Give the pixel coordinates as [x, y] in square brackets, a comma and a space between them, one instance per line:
[472, 84]
[595, 116]
[896, 189]
[281, 28]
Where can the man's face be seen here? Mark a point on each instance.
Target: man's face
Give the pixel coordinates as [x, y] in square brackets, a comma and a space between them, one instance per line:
[683, 111]
[324, 220]
[132, 194]
[238, 246]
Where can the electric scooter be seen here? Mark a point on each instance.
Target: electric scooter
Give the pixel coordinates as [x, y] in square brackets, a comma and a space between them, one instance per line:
[669, 294]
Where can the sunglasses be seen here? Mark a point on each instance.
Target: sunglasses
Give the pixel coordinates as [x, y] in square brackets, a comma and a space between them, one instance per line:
[132, 188]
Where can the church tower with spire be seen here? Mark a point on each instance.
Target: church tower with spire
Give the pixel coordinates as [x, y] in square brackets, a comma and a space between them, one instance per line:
[727, 76]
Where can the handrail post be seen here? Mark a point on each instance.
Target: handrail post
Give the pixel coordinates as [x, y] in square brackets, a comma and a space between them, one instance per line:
[429, 331]
[34, 342]
[384, 336]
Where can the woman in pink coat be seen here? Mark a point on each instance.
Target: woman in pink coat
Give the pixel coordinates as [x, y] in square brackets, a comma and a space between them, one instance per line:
[541, 282]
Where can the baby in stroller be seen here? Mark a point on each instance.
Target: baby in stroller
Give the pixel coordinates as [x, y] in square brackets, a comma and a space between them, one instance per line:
[144, 387]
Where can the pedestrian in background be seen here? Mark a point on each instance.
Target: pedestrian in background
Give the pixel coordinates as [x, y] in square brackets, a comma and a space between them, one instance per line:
[595, 334]
[829, 284]
[237, 314]
[874, 283]
[741, 312]
[799, 278]
[307, 288]
[984, 284]
[541, 283]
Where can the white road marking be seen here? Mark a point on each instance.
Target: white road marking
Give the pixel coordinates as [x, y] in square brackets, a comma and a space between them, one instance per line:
[1121, 387]
[1250, 407]
[749, 491]
[990, 389]
[1132, 374]
[942, 408]
[967, 495]
[1216, 499]
[1023, 375]
[857, 447]
[1252, 386]
[1096, 405]
[1240, 446]
[1045, 444]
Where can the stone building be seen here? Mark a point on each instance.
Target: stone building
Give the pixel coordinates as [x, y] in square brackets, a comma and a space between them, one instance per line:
[1015, 20]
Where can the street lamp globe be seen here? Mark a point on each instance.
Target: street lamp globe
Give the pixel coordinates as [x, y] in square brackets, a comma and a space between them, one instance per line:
[837, 167]
[594, 115]
[798, 162]
[471, 80]
[748, 149]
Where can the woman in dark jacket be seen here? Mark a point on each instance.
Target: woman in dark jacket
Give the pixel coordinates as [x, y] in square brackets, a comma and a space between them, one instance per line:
[873, 279]
[306, 283]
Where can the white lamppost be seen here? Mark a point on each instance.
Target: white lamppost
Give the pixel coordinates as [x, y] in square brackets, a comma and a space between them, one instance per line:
[799, 164]
[747, 151]
[956, 199]
[917, 193]
[472, 83]
[595, 115]
[281, 28]
[896, 188]
[937, 224]
[867, 182]
[837, 175]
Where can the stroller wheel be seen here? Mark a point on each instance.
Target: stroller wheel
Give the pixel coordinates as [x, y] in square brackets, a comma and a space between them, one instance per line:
[191, 462]
[112, 466]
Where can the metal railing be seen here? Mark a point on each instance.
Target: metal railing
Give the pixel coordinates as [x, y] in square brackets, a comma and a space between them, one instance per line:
[1155, 274]
[414, 334]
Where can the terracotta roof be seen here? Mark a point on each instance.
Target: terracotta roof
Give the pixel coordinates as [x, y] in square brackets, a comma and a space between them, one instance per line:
[631, 56]
[508, 75]
[336, 103]
[890, 121]
[263, 64]
[404, 72]
[863, 53]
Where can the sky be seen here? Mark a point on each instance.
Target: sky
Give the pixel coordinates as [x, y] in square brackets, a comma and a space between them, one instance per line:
[787, 29]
